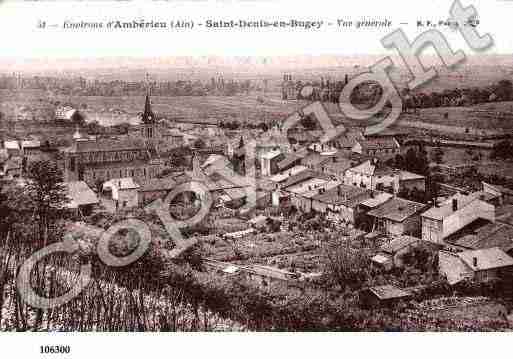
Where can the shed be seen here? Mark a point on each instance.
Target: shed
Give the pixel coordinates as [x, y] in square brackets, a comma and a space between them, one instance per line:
[383, 295]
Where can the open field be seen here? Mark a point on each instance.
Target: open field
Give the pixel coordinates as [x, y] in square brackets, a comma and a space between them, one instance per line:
[496, 116]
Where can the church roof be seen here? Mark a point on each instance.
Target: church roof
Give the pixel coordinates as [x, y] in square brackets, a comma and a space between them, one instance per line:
[104, 145]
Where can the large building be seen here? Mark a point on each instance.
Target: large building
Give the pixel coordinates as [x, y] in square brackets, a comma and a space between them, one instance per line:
[136, 156]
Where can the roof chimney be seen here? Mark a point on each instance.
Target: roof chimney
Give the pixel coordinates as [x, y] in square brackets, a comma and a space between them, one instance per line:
[474, 261]
[454, 204]
[334, 159]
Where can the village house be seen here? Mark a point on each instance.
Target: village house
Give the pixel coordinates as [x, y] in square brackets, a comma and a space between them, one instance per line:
[397, 217]
[269, 162]
[482, 234]
[67, 113]
[481, 265]
[325, 149]
[313, 160]
[341, 203]
[376, 199]
[13, 167]
[373, 175]
[281, 177]
[457, 212]
[347, 141]
[124, 192]
[336, 166]
[154, 188]
[411, 181]
[502, 194]
[272, 139]
[382, 148]
[215, 162]
[291, 160]
[391, 254]
[31, 148]
[302, 191]
[82, 199]
[12, 147]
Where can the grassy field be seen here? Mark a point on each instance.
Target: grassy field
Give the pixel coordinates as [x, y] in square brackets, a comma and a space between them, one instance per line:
[495, 116]
[32, 105]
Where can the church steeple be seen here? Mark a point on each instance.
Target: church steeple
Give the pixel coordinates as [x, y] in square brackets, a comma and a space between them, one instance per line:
[148, 115]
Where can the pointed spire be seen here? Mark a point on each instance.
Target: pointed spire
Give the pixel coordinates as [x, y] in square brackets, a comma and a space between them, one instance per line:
[148, 116]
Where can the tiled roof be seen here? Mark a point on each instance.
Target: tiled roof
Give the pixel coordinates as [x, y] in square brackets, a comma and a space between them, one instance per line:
[377, 200]
[13, 163]
[368, 168]
[501, 189]
[104, 145]
[389, 292]
[339, 164]
[397, 209]
[379, 143]
[289, 160]
[80, 194]
[488, 236]
[348, 196]
[349, 139]
[280, 177]
[398, 243]
[158, 184]
[446, 208]
[488, 258]
[300, 177]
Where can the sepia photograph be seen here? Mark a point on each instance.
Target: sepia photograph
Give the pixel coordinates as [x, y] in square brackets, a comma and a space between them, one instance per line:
[300, 189]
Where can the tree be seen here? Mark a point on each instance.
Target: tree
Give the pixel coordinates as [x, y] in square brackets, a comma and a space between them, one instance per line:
[346, 266]
[503, 149]
[199, 143]
[504, 90]
[438, 155]
[399, 161]
[46, 194]
[308, 122]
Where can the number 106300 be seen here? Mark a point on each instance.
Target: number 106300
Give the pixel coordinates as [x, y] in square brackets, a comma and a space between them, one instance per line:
[54, 349]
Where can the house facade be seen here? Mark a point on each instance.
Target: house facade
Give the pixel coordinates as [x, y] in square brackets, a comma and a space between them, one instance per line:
[373, 176]
[460, 210]
[398, 216]
[481, 265]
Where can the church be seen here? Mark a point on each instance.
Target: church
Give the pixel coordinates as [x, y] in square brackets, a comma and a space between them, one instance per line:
[100, 160]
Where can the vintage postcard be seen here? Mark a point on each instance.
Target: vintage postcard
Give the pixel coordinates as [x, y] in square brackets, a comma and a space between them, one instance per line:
[254, 166]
